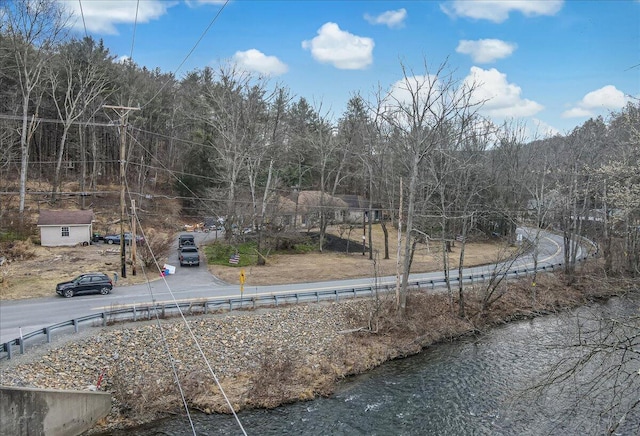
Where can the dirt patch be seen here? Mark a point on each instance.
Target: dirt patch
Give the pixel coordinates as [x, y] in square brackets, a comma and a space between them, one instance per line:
[46, 266]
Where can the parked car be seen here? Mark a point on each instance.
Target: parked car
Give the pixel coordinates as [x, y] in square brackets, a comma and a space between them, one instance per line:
[189, 256]
[115, 239]
[85, 283]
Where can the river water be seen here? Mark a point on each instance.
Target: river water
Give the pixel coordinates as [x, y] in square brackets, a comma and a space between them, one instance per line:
[480, 385]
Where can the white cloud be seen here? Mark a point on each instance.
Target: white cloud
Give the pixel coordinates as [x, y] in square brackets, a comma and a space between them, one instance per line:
[404, 89]
[255, 60]
[577, 112]
[608, 97]
[501, 98]
[499, 10]
[391, 19]
[484, 51]
[102, 17]
[192, 3]
[340, 48]
[542, 129]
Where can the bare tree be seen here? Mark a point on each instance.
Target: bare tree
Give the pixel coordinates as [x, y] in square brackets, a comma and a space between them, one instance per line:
[77, 83]
[33, 28]
[229, 115]
[598, 368]
[421, 108]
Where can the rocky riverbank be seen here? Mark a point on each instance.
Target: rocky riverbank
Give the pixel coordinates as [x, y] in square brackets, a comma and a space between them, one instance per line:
[261, 358]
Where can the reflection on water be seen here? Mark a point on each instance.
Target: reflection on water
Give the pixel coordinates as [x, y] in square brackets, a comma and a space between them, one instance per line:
[475, 386]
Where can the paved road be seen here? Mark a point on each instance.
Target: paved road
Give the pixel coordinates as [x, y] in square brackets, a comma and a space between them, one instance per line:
[196, 283]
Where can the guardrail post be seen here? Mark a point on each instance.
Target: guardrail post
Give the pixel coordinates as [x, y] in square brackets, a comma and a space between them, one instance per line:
[433, 285]
[47, 331]
[275, 297]
[75, 325]
[104, 319]
[337, 295]
[21, 340]
[297, 298]
[317, 297]
[7, 348]
[135, 313]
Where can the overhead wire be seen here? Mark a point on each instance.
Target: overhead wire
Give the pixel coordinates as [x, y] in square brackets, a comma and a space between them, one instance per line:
[191, 333]
[134, 216]
[135, 25]
[215, 18]
[83, 22]
[168, 170]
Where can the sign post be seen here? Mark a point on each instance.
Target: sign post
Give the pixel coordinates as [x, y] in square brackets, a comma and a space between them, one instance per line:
[243, 278]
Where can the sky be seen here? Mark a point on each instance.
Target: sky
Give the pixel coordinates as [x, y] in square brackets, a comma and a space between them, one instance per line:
[549, 64]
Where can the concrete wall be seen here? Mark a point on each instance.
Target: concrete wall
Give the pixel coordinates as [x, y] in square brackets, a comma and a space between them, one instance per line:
[47, 412]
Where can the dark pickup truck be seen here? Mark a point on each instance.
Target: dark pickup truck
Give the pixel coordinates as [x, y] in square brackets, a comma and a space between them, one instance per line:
[189, 256]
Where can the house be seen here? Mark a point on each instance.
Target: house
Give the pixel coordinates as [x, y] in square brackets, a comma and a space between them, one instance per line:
[309, 204]
[358, 209]
[65, 227]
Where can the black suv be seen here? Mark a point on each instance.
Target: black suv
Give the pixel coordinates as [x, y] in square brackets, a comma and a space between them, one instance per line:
[85, 283]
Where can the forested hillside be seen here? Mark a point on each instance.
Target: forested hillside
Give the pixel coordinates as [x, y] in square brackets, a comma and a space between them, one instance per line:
[234, 145]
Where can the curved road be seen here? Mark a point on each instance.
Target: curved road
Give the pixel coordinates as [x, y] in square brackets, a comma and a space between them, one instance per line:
[25, 316]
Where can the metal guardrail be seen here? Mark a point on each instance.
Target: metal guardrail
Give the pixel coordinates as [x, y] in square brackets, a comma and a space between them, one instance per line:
[150, 311]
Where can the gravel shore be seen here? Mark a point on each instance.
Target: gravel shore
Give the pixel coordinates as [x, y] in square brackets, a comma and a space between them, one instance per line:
[249, 353]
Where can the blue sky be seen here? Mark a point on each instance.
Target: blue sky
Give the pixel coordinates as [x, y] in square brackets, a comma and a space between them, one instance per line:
[552, 64]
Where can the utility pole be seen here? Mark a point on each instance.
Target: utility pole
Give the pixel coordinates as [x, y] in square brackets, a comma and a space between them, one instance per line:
[123, 112]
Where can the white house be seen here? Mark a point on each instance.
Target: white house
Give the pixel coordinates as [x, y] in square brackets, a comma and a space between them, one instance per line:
[65, 227]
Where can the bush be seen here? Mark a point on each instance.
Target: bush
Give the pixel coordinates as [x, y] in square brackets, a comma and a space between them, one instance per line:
[17, 250]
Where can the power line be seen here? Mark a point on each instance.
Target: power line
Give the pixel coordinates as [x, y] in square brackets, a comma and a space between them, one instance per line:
[83, 23]
[135, 25]
[134, 218]
[55, 121]
[215, 18]
[191, 334]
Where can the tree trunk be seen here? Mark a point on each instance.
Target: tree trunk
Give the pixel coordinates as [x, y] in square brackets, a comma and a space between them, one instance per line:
[383, 224]
[402, 304]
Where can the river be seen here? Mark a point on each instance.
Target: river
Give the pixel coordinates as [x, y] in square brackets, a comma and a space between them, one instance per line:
[480, 385]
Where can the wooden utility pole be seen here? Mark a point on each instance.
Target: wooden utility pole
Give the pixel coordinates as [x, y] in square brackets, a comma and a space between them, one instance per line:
[123, 113]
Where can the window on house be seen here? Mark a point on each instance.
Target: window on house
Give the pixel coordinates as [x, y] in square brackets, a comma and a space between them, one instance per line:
[65, 231]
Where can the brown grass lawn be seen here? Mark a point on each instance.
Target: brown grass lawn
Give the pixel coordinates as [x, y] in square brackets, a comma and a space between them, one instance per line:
[311, 267]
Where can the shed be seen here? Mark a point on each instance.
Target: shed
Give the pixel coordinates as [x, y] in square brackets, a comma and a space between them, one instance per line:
[65, 227]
